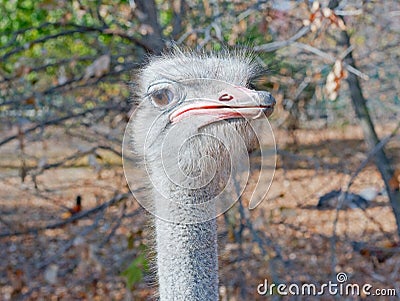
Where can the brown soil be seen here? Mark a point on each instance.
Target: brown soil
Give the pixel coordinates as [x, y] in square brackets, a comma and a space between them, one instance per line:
[295, 241]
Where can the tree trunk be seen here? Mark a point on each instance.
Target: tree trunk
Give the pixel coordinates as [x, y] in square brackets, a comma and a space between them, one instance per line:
[148, 17]
[360, 106]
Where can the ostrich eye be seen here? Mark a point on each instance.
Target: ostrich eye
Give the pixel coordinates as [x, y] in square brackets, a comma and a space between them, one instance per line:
[162, 97]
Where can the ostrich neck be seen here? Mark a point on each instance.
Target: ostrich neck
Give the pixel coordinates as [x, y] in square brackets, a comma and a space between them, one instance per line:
[187, 257]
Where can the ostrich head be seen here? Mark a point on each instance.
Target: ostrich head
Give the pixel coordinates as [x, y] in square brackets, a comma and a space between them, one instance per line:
[194, 118]
[192, 127]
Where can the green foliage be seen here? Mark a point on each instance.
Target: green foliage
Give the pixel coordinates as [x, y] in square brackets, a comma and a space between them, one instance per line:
[46, 42]
[166, 17]
[253, 36]
[134, 273]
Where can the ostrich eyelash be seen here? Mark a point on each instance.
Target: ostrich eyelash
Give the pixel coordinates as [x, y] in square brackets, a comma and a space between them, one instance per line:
[157, 86]
[163, 84]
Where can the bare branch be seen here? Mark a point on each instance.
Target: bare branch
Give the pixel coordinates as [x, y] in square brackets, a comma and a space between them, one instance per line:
[60, 120]
[269, 47]
[273, 46]
[372, 154]
[78, 29]
[80, 215]
[75, 156]
[330, 58]
[69, 244]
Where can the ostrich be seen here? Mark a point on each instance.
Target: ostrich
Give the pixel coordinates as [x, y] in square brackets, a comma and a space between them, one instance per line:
[193, 118]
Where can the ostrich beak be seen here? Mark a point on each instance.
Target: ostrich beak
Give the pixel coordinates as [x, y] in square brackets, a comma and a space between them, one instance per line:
[239, 102]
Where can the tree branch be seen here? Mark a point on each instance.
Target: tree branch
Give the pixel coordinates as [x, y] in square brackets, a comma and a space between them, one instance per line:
[147, 13]
[78, 29]
[59, 120]
[360, 107]
[80, 215]
[269, 47]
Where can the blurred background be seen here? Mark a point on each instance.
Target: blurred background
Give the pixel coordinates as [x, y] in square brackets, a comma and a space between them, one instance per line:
[70, 229]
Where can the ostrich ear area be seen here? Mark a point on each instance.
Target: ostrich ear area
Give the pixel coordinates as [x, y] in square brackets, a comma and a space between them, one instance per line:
[217, 111]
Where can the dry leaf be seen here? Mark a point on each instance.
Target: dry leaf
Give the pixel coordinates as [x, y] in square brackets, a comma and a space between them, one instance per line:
[334, 79]
[99, 67]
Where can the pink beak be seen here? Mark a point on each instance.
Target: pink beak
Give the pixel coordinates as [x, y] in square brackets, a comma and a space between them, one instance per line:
[239, 102]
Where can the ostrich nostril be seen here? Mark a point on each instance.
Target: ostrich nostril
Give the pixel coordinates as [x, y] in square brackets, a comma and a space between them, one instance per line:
[225, 97]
